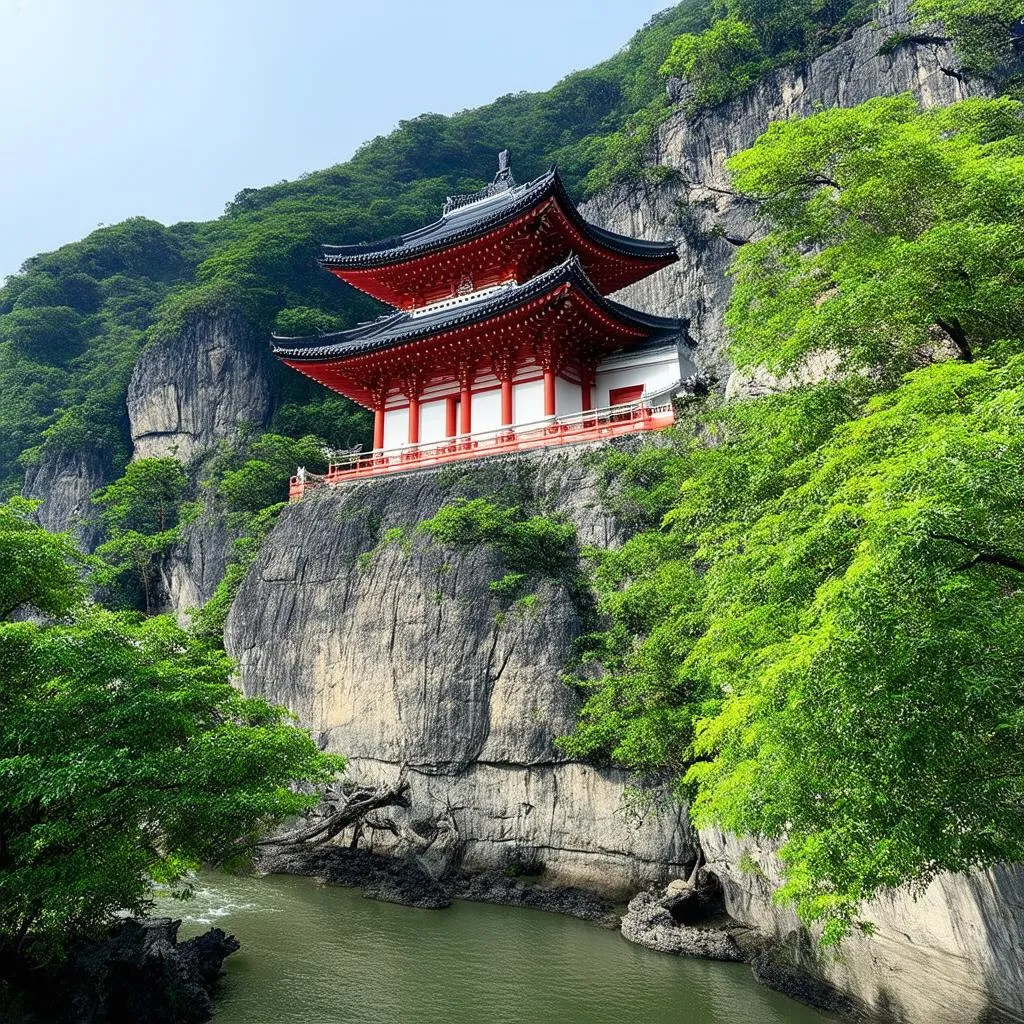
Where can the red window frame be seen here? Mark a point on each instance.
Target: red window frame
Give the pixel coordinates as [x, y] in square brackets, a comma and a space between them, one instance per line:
[623, 396]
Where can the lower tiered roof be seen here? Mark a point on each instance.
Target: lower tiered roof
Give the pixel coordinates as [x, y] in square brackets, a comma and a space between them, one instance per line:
[560, 308]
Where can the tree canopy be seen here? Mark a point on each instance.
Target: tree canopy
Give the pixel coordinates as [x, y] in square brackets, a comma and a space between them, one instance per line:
[819, 632]
[126, 753]
[888, 224]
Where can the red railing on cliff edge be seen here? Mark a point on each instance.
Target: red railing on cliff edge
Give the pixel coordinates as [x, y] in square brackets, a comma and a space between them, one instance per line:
[594, 425]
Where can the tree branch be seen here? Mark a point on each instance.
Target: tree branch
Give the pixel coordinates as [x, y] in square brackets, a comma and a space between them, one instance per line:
[955, 330]
[980, 555]
[361, 803]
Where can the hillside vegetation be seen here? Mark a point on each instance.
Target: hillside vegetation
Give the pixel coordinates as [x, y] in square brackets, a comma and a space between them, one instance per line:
[73, 322]
[819, 629]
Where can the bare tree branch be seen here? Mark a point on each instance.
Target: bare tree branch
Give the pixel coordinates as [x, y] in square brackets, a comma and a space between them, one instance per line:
[980, 554]
[356, 807]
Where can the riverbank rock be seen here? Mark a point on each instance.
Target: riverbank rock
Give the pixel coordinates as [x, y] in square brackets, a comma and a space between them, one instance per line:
[688, 918]
[950, 954]
[409, 882]
[139, 973]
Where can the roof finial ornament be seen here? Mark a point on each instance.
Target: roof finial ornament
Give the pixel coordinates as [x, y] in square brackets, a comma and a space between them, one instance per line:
[503, 179]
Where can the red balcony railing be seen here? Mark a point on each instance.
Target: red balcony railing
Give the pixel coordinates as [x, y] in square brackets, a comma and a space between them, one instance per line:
[594, 425]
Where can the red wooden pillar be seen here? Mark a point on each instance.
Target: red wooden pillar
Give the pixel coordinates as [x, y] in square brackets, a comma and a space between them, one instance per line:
[466, 400]
[378, 427]
[504, 366]
[548, 357]
[587, 376]
[414, 420]
[549, 391]
[506, 402]
[450, 426]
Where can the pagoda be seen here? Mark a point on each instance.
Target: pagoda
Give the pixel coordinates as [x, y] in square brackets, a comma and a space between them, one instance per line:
[501, 335]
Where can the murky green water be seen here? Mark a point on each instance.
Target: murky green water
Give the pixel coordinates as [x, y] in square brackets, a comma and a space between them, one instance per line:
[327, 956]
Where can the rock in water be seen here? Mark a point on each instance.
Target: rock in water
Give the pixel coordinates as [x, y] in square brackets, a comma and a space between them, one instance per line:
[688, 919]
[138, 974]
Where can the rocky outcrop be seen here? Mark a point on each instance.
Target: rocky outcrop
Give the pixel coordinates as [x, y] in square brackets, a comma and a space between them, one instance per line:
[197, 563]
[191, 390]
[395, 651]
[140, 972]
[952, 955]
[64, 482]
[408, 881]
[689, 919]
[698, 204]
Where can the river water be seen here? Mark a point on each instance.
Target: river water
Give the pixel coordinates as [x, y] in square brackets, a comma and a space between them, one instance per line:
[320, 955]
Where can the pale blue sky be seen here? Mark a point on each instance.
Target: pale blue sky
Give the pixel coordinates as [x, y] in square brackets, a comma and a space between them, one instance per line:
[111, 108]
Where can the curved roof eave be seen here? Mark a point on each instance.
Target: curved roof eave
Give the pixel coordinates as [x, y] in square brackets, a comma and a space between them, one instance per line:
[399, 328]
[469, 222]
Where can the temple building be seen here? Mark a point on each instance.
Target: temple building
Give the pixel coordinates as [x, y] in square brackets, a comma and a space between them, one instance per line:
[501, 336]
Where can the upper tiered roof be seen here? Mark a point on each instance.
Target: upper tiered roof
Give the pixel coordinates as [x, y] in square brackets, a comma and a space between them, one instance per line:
[504, 232]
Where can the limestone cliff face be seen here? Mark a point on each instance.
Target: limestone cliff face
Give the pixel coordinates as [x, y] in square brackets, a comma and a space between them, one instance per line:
[191, 390]
[64, 483]
[197, 564]
[700, 207]
[400, 654]
[953, 955]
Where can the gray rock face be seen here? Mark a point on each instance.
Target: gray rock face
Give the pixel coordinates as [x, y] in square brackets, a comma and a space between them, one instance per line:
[649, 921]
[189, 391]
[400, 654]
[197, 564]
[65, 483]
[953, 955]
[700, 207]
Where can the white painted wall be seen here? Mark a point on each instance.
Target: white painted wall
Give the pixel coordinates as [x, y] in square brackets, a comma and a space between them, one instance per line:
[528, 402]
[432, 421]
[568, 397]
[486, 410]
[654, 370]
[396, 427]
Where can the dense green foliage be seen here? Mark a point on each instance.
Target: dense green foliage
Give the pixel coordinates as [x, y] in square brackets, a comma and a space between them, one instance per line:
[819, 631]
[126, 753]
[887, 223]
[981, 29]
[747, 38]
[252, 473]
[530, 544]
[141, 516]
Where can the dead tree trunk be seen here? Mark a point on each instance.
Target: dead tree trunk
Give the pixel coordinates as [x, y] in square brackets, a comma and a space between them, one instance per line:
[357, 805]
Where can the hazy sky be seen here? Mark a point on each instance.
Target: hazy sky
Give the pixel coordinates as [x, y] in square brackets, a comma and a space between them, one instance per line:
[111, 108]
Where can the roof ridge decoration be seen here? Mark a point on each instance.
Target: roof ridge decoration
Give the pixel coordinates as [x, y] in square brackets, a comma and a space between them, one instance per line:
[503, 182]
[454, 229]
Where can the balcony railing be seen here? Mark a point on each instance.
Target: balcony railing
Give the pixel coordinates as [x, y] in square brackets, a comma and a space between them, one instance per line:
[593, 425]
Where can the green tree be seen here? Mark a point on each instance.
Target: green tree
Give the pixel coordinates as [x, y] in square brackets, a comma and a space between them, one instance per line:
[981, 29]
[888, 224]
[257, 477]
[719, 62]
[42, 570]
[140, 516]
[126, 754]
[821, 637]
